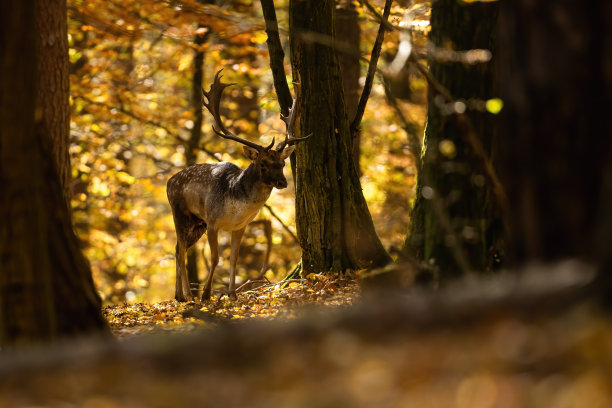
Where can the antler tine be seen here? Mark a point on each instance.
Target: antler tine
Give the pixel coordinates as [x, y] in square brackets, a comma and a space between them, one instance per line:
[212, 102]
[290, 121]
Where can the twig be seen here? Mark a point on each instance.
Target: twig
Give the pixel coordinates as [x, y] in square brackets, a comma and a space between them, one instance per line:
[251, 282]
[383, 21]
[285, 227]
[283, 282]
[367, 88]
[411, 129]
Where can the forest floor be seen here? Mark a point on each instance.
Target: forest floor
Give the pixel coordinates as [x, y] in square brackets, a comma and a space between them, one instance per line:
[501, 344]
[265, 301]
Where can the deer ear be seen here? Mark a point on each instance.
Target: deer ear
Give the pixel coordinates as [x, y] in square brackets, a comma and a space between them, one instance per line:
[250, 153]
[287, 152]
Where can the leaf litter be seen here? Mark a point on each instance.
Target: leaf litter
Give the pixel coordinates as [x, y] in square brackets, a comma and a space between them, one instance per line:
[282, 300]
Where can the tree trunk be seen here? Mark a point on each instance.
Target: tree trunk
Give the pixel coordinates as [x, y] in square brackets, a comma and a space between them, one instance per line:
[347, 30]
[54, 88]
[557, 150]
[46, 287]
[453, 227]
[333, 221]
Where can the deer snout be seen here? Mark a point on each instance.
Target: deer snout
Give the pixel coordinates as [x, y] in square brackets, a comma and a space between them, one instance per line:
[280, 184]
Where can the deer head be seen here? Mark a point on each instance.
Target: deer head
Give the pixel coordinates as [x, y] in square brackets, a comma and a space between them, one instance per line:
[269, 162]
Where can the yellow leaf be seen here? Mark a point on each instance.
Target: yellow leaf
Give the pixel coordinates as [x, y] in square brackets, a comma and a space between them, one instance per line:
[259, 37]
[125, 178]
[185, 62]
[494, 105]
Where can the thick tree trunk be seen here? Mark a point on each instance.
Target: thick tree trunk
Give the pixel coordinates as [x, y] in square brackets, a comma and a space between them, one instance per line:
[557, 146]
[452, 224]
[333, 221]
[54, 88]
[348, 33]
[46, 288]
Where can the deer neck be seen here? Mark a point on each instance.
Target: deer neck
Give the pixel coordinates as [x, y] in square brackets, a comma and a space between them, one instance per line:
[250, 187]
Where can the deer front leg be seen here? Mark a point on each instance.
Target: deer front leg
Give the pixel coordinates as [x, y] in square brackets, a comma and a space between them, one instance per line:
[214, 260]
[236, 238]
[182, 292]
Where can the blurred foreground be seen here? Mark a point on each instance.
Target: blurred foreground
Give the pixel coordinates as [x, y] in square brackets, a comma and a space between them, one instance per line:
[544, 340]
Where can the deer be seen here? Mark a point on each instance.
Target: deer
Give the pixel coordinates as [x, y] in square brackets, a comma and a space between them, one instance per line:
[213, 197]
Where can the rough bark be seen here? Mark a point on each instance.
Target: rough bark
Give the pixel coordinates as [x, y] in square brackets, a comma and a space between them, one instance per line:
[46, 287]
[348, 31]
[557, 150]
[54, 86]
[334, 225]
[453, 225]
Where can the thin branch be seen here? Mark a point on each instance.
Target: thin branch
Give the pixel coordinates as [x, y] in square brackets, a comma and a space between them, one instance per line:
[411, 129]
[274, 284]
[379, 17]
[285, 227]
[365, 94]
[250, 285]
[277, 57]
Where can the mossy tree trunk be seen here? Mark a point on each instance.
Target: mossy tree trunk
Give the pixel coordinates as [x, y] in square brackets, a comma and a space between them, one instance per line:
[334, 225]
[453, 225]
[46, 288]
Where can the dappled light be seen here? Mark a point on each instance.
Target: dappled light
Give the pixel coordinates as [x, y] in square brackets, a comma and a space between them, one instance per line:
[131, 122]
[334, 203]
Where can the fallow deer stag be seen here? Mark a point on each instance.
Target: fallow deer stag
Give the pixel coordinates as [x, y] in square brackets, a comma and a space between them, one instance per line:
[222, 196]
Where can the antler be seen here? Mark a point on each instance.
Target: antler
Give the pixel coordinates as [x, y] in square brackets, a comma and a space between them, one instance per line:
[213, 97]
[290, 122]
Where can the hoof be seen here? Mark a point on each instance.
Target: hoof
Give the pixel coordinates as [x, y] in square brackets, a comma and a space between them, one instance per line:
[232, 295]
[205, 295]
[183, 297]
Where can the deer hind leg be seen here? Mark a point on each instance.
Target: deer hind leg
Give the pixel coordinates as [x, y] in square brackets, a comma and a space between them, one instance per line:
[214, 260]
[193, 235]
[181, 288]
[188, 232]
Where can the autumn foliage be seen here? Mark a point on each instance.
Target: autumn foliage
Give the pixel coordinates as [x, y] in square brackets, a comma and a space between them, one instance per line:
[132, 115]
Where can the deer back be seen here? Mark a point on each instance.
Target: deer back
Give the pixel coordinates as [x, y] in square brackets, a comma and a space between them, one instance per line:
[222, 194]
